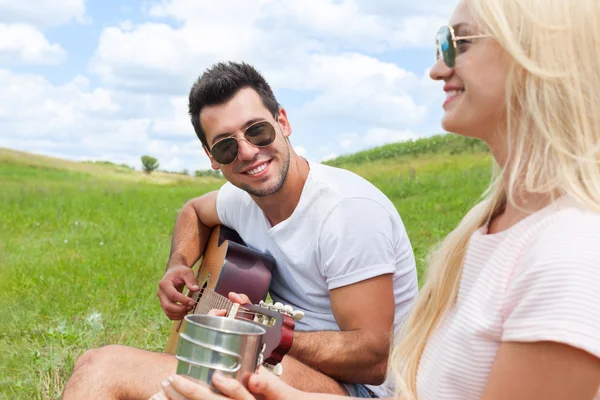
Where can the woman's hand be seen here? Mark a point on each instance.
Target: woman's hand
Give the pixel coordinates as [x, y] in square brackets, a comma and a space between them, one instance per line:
[262, 385]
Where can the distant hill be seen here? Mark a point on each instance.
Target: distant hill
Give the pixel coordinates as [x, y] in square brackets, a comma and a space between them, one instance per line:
[17, 162]
[443, 143]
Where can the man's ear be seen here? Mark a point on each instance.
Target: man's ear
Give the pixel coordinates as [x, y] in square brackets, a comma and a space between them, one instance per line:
[284, 122]
[213, 164]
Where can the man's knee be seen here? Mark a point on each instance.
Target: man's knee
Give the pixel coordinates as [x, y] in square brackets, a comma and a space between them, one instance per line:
[100, 359]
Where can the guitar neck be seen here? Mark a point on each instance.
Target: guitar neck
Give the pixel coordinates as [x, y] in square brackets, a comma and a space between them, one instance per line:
[279, 327]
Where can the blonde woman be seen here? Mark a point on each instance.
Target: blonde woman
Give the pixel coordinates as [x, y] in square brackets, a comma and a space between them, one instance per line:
[511, 306]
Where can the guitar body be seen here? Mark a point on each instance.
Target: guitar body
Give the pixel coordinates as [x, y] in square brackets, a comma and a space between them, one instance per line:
[228, 265]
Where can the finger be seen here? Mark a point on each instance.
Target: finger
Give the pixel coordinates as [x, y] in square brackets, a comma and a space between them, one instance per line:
[172, 309]
[239, 298]
[217, 313]
[175, 312]
[189, 279]
[192, 390]
[171, 392]
[175, 308]
[174, 296]
[166, 303]
[231, 388]
[176, 316]
[159, 396]
[270, 387]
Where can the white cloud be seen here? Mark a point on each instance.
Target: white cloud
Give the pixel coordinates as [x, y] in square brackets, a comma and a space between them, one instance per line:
[328, 157]
[364, 88]
[300, 150]
[176, 124]
[286, 39]
[150, 57]
[346, 143]
[42, 13]
[78, 122]
[22, 40]
[365, 24]
[371, 25]
[380, 136]
[374, 137]
[329, 50]
[20, 43]
[297, 45]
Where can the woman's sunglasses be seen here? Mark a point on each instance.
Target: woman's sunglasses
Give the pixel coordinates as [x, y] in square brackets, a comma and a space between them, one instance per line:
[260, 134]
[446, 44]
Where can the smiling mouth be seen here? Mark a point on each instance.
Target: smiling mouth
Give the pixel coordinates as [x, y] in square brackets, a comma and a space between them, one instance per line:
[258, 169]
[453, 93]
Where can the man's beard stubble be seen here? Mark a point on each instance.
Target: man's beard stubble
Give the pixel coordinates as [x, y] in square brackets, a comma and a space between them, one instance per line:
[281, 178]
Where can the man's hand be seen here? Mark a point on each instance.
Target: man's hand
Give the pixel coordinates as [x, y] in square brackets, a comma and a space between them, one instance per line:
[190, 235]
[233, 297]
[173, 302]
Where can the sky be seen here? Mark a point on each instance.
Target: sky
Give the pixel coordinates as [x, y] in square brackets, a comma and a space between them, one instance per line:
[108, 80]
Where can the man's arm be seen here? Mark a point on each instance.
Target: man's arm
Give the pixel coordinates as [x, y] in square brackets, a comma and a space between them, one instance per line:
[192, 229]
[190, 235]
[358, 254]
[359, 353]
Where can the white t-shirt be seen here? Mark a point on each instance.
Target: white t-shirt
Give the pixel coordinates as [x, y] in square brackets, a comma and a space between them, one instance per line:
[343, 231]
[537, 281]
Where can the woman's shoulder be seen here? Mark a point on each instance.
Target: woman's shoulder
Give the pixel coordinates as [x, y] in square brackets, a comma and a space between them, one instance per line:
[569, 223]
[564, 235]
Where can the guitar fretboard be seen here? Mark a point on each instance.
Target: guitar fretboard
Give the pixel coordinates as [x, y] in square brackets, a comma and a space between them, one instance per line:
[209, 299]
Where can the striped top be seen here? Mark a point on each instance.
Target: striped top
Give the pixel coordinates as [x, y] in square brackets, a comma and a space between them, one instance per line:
[536, 281]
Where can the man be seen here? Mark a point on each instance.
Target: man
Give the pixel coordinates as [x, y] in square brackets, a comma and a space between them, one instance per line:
[343, 256]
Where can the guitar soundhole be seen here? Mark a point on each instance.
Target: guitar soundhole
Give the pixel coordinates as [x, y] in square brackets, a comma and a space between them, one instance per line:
[198, 295]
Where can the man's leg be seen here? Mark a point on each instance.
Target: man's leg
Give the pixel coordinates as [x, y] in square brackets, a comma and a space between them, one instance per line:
[303, 377]
[118, 372]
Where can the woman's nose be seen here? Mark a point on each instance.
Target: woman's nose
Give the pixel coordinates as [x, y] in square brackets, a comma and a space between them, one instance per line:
[440, 71]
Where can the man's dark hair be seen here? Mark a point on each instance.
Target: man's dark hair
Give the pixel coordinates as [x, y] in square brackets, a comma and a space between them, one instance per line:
[220, 83]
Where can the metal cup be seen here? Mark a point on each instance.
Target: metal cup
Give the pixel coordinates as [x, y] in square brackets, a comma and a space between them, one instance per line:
[209, 343]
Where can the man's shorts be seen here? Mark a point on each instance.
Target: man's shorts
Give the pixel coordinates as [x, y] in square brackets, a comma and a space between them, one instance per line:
[360, 391]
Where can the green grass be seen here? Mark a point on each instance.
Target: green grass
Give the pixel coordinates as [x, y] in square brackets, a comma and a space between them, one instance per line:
[80, 257]
[439, 144]
[83, 246]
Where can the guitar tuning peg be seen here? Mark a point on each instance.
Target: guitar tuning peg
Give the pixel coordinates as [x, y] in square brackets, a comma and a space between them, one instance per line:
[264, 304]
[298, 315]
[278, 306]
[278, 369]
[288, 309]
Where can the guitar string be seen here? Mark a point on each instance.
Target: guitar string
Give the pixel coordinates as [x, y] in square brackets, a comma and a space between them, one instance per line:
[213, 300]
[217, 301]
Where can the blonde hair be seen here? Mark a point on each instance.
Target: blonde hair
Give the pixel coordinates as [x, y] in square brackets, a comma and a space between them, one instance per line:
[552, 133]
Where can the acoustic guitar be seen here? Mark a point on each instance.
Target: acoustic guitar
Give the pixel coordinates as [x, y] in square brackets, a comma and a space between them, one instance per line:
[229, 265]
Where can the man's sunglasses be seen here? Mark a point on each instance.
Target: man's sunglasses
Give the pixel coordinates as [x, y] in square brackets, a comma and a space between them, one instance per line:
[446, 44]
[260, 134]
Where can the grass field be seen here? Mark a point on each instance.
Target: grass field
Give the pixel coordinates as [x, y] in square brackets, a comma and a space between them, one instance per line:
[82, 247]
